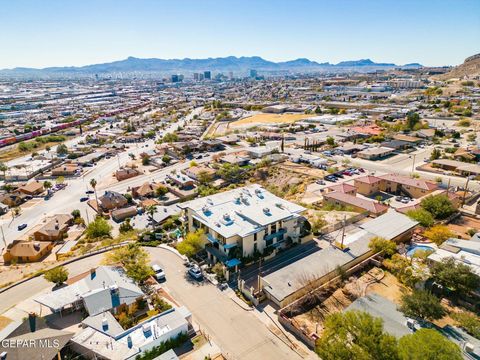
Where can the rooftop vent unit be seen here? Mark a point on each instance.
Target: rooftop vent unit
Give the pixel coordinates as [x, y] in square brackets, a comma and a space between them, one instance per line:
[266, 211]
[36, 246]
[209, 201]
[104, 323]
[205, 209]
[113, 288]
[238, 199]
[146, 329]
[280, 205]
[217, 224]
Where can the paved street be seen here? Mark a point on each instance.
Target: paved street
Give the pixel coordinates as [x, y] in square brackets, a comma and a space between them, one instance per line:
[238, 332]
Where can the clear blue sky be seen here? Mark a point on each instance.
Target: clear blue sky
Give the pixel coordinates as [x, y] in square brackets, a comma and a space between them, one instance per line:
[40, 33]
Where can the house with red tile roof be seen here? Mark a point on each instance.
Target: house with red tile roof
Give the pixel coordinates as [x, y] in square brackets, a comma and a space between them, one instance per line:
[359, 204]
[394, 184]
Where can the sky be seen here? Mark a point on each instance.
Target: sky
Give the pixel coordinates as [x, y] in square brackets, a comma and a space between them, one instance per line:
[42, 33]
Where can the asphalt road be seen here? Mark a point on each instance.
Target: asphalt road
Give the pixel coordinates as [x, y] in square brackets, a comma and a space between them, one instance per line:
[67, 200]
[238, 332]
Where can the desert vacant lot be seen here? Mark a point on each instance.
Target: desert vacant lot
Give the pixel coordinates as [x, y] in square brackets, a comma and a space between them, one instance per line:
[263, 119]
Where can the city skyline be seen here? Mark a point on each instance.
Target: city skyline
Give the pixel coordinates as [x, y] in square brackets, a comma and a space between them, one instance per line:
[54, 33]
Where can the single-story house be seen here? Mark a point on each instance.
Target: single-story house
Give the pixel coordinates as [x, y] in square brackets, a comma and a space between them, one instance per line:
[23, 251]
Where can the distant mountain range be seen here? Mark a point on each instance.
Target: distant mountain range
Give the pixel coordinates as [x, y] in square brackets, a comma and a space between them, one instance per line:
[225, 64]
[469, 69]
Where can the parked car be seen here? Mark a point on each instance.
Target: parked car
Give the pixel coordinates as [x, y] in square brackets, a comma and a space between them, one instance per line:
[83, 199]
[89, 192]
[320, 182]
[398, 198]
[21, 227]
[196, 273]
[159, 274]
[361, 170]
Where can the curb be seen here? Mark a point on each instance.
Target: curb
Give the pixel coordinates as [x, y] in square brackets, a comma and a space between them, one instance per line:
[175, 251]
[244, 307]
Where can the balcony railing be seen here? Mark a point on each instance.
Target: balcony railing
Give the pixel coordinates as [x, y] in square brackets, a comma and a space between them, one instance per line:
[278, 233]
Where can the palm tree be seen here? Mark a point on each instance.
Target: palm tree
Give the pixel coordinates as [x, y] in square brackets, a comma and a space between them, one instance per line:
[151, 210]
[93, 184]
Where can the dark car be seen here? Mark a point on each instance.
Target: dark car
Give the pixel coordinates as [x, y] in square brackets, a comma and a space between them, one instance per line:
[89, 192]
[21, 227]
[83, 199]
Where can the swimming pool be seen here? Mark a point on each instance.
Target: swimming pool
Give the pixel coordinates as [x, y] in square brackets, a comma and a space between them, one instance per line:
[412, 249]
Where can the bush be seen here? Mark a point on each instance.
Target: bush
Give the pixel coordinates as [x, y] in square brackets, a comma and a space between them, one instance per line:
[469, 322]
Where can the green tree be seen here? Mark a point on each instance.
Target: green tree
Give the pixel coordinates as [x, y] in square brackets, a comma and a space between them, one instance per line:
[454, 275]
[192, 244]
[469, 322]
[47, 184]
[76, 213]
[57, 275]
[428, 344]
[436, 153]
[231, 173]
[379, 244]
[125, 226]
[204, 177]
[422, 304]
[93, 184]
[161, 191]
[439, 206]
[412, 119]
[98, 228]
[422, 216]
[134, 259]
[62, 149]
[330, 141]
[166, 159]
[3, 169]
[355, 335]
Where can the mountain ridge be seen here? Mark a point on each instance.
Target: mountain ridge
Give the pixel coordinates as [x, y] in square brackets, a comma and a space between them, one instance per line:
[229, 63]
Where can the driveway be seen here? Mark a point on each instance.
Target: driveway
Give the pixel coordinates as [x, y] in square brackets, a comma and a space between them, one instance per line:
[238, 332]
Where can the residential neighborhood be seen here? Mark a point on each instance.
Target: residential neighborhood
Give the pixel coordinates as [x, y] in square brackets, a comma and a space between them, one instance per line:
[190, 205]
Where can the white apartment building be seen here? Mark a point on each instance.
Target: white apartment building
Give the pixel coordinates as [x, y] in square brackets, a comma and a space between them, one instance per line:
[240, 222]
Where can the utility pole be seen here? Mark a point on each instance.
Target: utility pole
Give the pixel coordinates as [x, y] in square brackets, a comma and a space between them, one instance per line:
[413, 163]
[3, 236]
[465, 191]
[259, 272]
[343, 231]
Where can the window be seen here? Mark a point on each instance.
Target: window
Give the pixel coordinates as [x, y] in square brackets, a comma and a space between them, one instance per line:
[273, 228]
[255, 237]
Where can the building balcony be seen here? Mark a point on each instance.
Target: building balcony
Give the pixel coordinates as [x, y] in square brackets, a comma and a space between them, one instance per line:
[276, 234]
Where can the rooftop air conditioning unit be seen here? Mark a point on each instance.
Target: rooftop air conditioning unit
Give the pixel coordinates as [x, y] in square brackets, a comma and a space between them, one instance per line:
[266, 210]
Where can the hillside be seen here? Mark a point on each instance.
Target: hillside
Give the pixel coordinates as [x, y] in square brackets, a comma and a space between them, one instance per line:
[470, 68]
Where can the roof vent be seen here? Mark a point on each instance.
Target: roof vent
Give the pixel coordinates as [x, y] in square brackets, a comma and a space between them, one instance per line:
[280, 205]
[266, 211]
[113, 288]
[36, 246]
[209, 201]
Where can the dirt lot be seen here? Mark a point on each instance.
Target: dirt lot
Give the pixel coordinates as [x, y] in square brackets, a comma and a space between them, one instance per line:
[265, 119]
[389, 287]
[312, 320]
[462, 224]
[284, 182]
